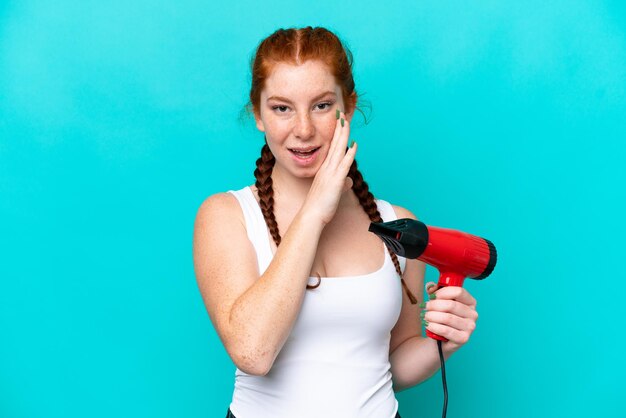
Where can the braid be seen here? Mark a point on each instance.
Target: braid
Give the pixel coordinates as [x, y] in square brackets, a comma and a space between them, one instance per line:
[263, 172]
[263, 175]
[366, 199]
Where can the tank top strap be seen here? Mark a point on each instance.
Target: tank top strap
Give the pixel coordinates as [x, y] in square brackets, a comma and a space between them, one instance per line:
[259, 235]
[389, 214]
[255, 226]
[386, 210]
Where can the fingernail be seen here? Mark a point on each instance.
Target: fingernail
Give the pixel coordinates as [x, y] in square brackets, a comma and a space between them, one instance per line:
[424, 323]
[351, 143]
[429, 286]
[432, 296]
[422, 314]
[337, 114]
[342, 122]
[423, 305]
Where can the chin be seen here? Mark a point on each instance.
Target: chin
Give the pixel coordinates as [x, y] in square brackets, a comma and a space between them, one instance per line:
[306, 173]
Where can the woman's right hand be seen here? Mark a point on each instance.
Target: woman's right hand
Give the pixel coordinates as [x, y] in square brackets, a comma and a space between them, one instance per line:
[332, 180]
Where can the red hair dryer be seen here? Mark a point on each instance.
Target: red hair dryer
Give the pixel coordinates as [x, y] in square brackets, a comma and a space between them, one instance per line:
[455, 254]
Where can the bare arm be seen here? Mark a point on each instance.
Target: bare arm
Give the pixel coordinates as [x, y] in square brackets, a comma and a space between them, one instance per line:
[254, 315]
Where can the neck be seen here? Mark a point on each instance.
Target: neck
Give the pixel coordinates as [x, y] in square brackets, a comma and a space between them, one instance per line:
[292, 191]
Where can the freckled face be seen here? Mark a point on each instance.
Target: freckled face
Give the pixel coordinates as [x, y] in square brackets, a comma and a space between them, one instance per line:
[297, 110]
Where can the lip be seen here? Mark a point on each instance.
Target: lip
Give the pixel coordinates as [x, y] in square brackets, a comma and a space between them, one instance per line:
[305, 161]
[302, 149]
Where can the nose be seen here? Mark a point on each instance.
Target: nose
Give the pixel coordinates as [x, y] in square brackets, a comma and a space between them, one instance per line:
[304, 127]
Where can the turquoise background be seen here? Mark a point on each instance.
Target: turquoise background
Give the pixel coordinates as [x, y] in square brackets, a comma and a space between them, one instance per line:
[504, 119]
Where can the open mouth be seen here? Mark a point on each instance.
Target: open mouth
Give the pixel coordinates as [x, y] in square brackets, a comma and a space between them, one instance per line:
[304, 154]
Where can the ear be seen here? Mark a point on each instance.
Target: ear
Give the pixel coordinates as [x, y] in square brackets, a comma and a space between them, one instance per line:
[259, 122]
[352, 101]
[349, 115]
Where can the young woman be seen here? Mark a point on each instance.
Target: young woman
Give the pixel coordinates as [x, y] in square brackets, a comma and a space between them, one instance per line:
[319, 317]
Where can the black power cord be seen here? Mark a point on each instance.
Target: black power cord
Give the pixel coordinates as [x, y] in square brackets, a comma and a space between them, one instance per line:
[443, 378]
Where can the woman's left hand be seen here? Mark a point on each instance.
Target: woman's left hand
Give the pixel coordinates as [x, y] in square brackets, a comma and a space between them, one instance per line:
[451, 313]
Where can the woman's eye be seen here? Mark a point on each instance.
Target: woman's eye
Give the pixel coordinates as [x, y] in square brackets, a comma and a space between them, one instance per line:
[280, 107]
[325, 105]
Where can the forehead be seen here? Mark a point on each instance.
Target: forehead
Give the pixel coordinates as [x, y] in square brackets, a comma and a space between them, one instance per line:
[309, 78]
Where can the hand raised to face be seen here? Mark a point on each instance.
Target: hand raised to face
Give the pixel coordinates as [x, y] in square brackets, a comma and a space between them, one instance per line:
[332, 180]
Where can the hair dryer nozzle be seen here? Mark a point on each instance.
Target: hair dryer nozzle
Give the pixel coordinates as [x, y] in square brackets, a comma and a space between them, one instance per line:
[406, 237]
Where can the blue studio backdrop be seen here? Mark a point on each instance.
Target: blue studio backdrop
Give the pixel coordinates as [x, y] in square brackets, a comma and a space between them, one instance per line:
[504, 119]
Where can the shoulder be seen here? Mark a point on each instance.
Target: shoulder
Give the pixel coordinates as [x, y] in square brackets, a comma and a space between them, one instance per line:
[226, 200]
[218, 206]
[217, 202]
[403, 212]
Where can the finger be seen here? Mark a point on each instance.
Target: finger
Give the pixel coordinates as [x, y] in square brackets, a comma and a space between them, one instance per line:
[338, 144]
[452, 307]
[344, 135]
[456, 327]
[336, 133]
[348, 159]
[431, 287]
[453, 335]
[460, 319]
[456, 293]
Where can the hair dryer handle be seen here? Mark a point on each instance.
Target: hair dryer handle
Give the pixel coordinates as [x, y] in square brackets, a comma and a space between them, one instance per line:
[446, 278]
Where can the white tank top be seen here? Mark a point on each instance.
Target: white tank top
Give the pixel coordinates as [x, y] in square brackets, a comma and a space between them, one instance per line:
[335, 362]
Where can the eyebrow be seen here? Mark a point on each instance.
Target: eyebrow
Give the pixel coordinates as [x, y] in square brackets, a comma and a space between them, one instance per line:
[284, 99]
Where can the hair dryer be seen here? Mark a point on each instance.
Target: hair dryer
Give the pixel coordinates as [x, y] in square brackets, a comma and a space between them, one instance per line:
[455, 254]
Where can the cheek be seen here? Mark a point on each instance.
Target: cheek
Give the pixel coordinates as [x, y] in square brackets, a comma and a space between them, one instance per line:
[277, 129]
[327, 127]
